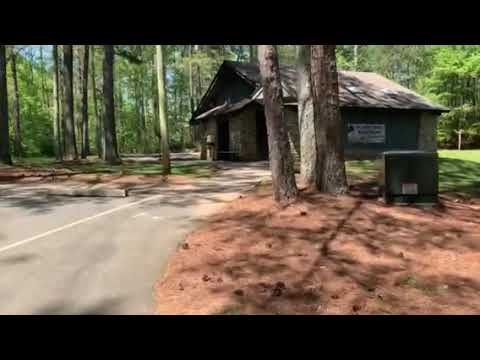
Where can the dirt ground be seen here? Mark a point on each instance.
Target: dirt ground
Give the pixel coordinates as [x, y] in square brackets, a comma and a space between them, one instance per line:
[328, 255]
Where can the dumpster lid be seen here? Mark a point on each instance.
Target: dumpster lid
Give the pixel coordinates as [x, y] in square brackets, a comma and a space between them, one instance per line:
[409, 152]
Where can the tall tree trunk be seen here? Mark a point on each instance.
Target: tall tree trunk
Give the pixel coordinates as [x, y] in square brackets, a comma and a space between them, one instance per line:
[85, 137]
[140, 141]
[69, 132]
[190, 81]
[110, 134]
[118, 97]
[4, 130]
[199, 90]
[162, 101]
[17, 144]
[98, 118]
[355, 57]
[61, 89]
[56, 106]
[308, 146]
[45, 93]
[143, 122]
[328, 121]
[251, 53]
[156, 109]
[77, 80]
[281, 160]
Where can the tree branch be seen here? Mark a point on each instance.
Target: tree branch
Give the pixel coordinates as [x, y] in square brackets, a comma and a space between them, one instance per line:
[133, 59]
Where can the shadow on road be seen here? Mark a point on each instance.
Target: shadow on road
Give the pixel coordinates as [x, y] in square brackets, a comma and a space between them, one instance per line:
[231, 178]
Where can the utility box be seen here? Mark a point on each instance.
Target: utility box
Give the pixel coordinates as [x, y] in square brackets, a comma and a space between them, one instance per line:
[410, 177]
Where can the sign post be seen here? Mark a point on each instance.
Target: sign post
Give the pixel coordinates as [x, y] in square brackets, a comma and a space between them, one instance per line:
[366, 133]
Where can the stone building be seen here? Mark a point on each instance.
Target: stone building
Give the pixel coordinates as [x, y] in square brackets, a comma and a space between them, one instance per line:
[378, 115]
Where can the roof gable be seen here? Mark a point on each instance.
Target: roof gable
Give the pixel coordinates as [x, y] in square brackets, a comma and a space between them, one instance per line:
[356, 89]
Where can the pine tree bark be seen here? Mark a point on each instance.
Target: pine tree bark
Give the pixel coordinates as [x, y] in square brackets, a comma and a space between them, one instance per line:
[4, 129]
[355, 57]
[281, 160]
[85, 137]
[44, 83]
[143, 120]
[162, 101]
[77, 95]
[70, 150]
[156, 109]
[110, 134]
[56, 106]
[17, 143]
[328, 121]
[251, 50]
[190, 80]
[98, 118]
[61, 89]
[308, 145]
[198, 73]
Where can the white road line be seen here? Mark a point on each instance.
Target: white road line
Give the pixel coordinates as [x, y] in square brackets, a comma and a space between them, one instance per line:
[138, 215]
[78, 222]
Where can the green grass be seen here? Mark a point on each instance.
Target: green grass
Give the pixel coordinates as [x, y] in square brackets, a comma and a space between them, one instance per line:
[465, 155]
[362, 170]
[459, 171]
[93, 166]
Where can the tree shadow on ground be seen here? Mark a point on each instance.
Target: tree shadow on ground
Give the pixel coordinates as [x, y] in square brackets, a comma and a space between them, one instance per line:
[108, 306]
[230, 179]
[347, 255]
[460, 176]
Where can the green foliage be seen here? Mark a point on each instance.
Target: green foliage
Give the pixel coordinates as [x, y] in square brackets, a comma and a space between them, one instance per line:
[36, 128]
[453, 81]
[447, 74]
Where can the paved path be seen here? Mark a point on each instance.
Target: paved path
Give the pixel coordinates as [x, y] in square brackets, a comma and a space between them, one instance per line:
[62, 255]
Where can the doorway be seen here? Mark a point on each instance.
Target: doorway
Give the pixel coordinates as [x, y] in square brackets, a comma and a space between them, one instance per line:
[262, 136]
[223, 139]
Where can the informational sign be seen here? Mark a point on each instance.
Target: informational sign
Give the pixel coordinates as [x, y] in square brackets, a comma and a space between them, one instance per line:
[409, 189]
[366, 133]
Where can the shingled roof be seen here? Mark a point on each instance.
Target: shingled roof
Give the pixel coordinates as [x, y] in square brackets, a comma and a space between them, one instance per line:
[356, 89]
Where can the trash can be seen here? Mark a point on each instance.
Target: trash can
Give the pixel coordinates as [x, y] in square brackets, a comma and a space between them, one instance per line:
[410, 177]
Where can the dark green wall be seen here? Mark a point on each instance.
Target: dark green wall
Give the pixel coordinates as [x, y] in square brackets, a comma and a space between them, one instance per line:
[401, 128]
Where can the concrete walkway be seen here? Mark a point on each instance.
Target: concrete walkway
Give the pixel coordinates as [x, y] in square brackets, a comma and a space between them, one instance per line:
[63, 255]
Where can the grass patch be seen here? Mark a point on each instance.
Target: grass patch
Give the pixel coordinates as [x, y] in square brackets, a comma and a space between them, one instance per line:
[459, 171]
[94, 166]
[362, 170]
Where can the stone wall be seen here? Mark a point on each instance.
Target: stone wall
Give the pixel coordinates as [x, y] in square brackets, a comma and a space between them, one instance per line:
[249, 135]
[243, 134]
[235, 127]
[207, 127]
[427, 132]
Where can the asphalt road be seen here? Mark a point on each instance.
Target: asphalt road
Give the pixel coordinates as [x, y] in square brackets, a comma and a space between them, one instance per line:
[63, 255]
